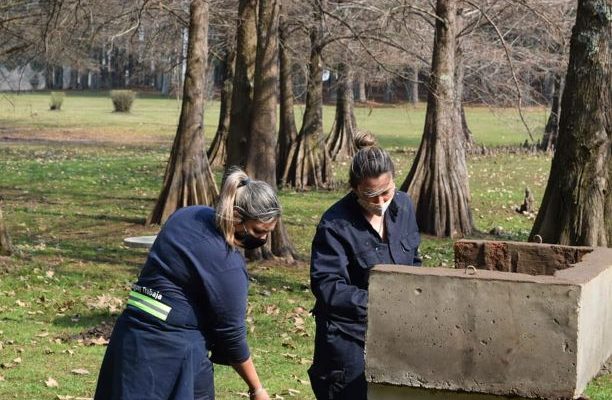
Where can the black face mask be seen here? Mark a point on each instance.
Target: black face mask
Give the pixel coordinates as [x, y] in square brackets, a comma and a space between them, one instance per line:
[249, 241]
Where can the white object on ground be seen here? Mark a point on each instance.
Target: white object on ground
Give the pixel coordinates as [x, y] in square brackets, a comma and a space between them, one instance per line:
[140, 241]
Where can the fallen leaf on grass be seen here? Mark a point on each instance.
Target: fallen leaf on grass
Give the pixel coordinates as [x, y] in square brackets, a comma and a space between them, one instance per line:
[299, 380]
[272, 309]
[80, 371]
[300, 311]
[99, 341]
[106, 302]
[291, 392]
[288, 345]
[50, 382]
[290, 356]
[2, 378]
[21, 303]
[17, 360]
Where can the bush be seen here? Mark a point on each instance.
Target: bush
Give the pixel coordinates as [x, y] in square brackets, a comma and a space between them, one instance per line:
[57, 99]
[122, 100]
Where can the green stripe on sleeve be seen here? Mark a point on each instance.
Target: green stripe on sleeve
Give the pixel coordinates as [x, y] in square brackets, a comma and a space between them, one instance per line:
[151, 301]
[136, 303]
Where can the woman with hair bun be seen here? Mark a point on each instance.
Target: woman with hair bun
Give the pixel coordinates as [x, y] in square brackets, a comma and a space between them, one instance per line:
[190, 299]
[373, 224]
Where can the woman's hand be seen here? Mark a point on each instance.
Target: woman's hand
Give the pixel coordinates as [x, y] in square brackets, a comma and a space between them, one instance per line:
[259, 394]
[247, 372]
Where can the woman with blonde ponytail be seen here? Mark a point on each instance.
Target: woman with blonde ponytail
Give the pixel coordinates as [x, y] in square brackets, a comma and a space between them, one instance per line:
[190, 300]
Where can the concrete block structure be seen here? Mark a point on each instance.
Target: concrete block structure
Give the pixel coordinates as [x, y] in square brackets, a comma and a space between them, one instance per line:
[512, 320]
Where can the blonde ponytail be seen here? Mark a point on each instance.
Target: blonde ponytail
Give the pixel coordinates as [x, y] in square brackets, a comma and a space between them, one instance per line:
[246, 199]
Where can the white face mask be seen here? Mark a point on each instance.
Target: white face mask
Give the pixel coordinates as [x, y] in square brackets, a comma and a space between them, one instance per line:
[376, 209]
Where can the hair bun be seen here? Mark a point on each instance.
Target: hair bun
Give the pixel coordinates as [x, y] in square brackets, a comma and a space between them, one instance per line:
[364, 139]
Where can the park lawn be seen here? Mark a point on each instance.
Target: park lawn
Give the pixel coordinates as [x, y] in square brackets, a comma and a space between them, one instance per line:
[69, 204]
[155, 118]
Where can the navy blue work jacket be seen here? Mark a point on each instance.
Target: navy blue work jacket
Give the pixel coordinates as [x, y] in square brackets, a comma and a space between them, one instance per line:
[346, 247]
[198, 274]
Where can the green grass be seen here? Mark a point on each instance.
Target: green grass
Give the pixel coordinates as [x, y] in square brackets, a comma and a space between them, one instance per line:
[68, 206]
[399, 126]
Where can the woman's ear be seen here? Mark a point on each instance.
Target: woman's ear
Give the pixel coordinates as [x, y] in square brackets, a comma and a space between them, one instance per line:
[237, 218]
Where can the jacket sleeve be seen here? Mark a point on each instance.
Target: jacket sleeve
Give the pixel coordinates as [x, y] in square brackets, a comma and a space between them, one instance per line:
[227, 299]
[329, 278]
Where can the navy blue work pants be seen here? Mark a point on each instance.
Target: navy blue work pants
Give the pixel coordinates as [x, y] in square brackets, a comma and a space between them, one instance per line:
[338, 369]
[149, 359]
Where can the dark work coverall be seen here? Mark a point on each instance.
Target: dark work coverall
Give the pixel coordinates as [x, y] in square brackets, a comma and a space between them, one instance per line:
[190, 299]
[344, 249]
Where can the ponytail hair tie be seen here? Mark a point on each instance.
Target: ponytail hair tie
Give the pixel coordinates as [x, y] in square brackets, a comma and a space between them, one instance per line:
[244, 182]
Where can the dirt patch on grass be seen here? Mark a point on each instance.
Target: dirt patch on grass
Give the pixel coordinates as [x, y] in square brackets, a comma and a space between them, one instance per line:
[7, 264]
[263, 265]
[80, 136]
[98, 335]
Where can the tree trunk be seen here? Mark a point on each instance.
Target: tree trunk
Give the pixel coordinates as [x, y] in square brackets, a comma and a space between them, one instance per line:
[577, 204]
[438, 180]
[414, 98]
[85, 80]
[468, 139]
[340, 142]
[362, 89]
[551, 131]
[287, 132]
[49, 75]
[6, 248]
[188, 179]
[74, 77]
[242, 94]
[261, 156]
[309, 165]
[217, 151]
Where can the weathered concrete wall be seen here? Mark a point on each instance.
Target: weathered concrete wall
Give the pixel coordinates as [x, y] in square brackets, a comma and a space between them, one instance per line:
[388, 392]
[525, 258]
[500, 333]
[595, 313]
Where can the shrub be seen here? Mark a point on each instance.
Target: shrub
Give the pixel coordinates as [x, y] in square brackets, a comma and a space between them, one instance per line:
[122, 100]
[57, 99]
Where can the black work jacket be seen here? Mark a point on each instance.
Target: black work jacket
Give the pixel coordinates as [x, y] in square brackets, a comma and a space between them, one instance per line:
[346, 247]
